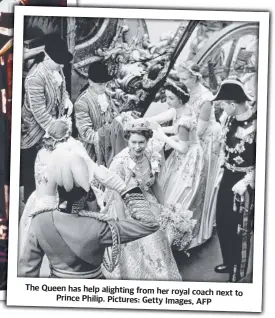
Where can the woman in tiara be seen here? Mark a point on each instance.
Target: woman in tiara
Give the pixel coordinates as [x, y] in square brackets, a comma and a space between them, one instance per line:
[209, 132]
[182, 177]
[149, 258]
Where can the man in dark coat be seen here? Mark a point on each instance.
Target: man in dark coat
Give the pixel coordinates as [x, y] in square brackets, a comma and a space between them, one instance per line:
[236, 194]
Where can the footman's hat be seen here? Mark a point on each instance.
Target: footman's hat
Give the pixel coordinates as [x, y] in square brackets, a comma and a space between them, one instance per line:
[98, 72]
[57, 49]
[232, 89]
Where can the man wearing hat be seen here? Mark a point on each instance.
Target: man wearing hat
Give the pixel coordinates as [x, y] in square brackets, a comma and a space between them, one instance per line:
[45, 100]
[236, 194]
[94, 111]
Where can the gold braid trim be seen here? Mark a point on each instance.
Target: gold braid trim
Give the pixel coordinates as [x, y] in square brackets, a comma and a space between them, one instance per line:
[109, 264]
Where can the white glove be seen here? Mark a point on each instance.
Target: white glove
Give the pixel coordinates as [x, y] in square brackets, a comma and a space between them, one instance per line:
[95, 138]
[69, 106]
[109, 179]
[202, 126]
[160, 134]
[155, 125]
[240, 188]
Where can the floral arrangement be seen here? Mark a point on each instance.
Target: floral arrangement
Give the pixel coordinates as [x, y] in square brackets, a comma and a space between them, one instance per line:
[178, 225]
[155, 162]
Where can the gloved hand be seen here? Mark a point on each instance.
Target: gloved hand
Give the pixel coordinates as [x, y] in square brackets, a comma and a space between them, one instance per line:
[68, 106]
[240, 188]
[109, 179]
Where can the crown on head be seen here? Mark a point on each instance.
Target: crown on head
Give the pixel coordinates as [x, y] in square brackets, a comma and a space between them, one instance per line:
[137, 125]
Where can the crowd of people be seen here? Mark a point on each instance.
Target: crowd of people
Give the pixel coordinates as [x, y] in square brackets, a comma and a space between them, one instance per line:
[115, 201]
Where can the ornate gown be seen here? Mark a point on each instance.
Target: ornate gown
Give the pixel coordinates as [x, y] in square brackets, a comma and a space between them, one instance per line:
[40, 199]
[149, 258]
[211, 144]
[182, 177]
[45, 197]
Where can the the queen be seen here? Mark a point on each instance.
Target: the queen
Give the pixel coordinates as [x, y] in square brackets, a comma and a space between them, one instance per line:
[150, 258]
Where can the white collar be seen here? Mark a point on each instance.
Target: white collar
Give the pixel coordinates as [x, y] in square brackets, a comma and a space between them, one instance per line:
[244, 116]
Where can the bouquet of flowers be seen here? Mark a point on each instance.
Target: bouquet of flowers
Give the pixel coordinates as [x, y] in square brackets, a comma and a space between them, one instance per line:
[178, 225]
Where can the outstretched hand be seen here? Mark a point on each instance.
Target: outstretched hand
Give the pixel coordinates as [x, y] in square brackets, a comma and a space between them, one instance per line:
[160, 134]
[109, 179]
[155, 125]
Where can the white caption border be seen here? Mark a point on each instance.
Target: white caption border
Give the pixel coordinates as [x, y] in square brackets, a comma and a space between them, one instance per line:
[252, 299]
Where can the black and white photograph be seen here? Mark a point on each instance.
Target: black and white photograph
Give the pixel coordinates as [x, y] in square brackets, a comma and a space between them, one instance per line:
[134, 146]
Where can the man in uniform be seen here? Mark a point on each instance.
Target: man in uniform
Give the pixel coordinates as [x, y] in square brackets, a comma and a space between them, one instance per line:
[236, 194]
[75, 239]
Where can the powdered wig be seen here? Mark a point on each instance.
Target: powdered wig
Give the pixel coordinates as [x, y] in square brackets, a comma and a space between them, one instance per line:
[59, 131]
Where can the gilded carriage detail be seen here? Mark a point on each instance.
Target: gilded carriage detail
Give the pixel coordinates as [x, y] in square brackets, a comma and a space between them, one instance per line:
[140, 67]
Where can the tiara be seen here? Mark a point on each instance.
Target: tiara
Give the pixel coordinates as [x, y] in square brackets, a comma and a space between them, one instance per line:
[180, 90]
[138, 124]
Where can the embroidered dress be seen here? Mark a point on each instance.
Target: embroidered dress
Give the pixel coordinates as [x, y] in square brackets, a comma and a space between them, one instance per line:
[182, 178]
[211, 144]
[149, 258]
[45, 197]
[38, 200]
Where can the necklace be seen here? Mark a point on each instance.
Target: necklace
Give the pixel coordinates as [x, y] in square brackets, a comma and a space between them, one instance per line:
[134, 158]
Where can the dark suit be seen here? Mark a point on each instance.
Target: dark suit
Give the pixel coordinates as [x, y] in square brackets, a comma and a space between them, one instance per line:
[234, 224]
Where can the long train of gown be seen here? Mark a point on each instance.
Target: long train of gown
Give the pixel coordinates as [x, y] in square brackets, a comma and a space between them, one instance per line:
[183, 181]
[211, 144]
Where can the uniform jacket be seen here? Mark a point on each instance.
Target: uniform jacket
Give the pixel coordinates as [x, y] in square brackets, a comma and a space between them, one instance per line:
[75, 244]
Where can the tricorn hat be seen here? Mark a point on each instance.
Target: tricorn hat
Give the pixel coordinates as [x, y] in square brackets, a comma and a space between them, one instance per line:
[98, 72]
[57, 49]
[232, 89]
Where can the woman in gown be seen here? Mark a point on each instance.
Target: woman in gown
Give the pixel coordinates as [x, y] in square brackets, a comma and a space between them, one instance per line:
[182, 177]
[209, 131]
[149, 258]
[45, 197]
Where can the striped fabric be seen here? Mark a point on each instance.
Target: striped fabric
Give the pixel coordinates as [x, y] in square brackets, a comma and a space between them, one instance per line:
[43, 103]
[89, 119]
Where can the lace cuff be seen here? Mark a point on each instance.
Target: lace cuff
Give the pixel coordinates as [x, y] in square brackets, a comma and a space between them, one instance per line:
[249, 179]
